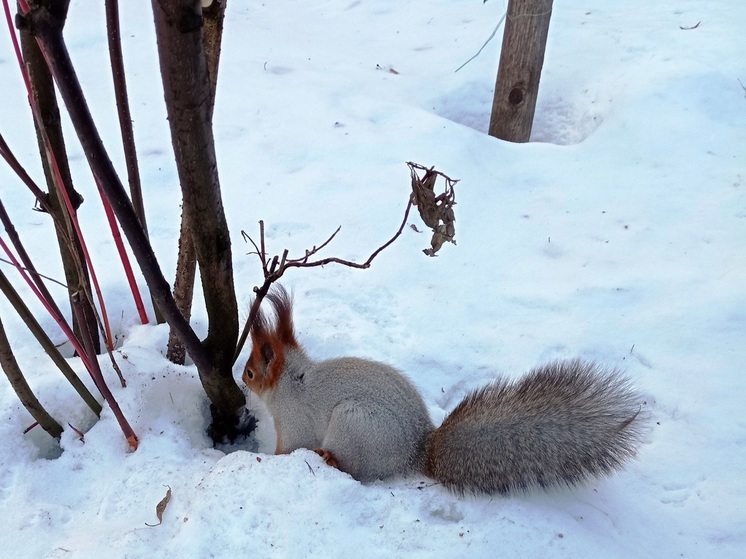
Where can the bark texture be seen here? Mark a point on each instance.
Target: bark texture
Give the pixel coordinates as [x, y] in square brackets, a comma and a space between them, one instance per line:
[521, 60]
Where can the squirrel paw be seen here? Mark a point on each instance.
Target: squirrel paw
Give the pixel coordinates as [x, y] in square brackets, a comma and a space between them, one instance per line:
[327, 456]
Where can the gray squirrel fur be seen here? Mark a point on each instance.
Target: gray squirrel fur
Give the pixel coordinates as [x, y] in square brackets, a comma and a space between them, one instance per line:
[560, 425]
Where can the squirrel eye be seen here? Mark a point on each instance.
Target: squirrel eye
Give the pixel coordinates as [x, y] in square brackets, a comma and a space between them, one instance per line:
[250, 374]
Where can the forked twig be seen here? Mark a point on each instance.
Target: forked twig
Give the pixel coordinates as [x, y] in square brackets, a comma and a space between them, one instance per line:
[437, 214]
[277, 267]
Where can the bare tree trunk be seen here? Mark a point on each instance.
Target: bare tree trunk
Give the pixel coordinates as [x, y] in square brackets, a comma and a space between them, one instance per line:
[73, 262]
[521, 60]
[187, 89]
[186, 265]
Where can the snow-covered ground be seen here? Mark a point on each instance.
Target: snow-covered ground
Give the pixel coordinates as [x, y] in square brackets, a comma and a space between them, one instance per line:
[618, 234]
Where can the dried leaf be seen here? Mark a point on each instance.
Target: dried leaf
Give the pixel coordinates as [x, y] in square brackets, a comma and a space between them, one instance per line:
[436, 211]
[160, 508]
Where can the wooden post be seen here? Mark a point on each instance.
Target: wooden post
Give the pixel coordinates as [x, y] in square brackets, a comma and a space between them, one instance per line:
[521, 59]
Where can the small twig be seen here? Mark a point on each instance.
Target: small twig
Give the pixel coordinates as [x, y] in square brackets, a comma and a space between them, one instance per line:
[492, 35]
[30, 427]
[263, 252]
[40, 196]
[277, 268]
[273, 265]
[78, 432]
[246, 237]
[685, 28]
[335, 260]
[316, 249]
[260, 292]
[35, 273]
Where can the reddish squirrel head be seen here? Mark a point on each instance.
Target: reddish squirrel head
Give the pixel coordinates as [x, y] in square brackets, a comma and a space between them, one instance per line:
[267, 359]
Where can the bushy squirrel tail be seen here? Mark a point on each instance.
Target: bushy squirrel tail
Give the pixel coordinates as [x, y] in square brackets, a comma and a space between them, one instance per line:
[561, 424]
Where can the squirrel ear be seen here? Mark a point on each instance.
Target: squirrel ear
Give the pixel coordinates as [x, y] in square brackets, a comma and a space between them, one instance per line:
[267, 353]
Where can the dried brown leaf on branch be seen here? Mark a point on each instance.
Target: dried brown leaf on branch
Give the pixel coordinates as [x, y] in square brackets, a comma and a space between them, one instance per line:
[436, 210]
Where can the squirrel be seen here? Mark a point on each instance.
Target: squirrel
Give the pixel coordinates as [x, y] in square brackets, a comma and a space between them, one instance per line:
[560, 425]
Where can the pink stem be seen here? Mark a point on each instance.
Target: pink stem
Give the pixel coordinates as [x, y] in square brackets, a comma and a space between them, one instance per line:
[123, 254]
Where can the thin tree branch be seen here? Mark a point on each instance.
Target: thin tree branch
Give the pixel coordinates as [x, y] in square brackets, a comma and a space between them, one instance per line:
[41, 336]
[23, 390]
[79, 308]
[435, 211]
[278, 266]
[123, 108]
[38, 193]
[23, 255]
[34, 272]
[128, 143]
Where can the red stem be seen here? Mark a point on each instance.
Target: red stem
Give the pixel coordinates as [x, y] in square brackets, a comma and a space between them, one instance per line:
[9, 18]
[79, 308]
[122, 256]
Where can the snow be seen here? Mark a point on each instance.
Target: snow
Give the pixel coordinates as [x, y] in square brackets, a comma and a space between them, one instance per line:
[617, 234]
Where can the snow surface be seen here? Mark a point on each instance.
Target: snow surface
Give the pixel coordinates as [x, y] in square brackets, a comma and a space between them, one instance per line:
[616, 235]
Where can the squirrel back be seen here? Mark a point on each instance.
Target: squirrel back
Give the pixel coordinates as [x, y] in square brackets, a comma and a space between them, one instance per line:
[561, 424]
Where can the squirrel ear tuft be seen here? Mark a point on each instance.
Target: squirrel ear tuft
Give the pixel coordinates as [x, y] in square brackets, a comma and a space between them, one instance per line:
[283, 305]
[259, 326]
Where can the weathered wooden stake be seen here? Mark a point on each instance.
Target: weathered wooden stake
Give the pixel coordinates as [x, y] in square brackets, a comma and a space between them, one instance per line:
[521, 59]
